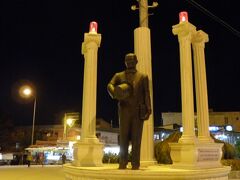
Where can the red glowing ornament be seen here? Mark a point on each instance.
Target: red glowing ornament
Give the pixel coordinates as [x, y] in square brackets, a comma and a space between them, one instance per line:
[183, 16]
[93, 27]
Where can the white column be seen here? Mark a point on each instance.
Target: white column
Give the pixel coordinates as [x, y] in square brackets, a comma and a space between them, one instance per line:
[88, 152]
[189, 152]
[184, 30]
[142, 49]
[198, 42]
[90, 50]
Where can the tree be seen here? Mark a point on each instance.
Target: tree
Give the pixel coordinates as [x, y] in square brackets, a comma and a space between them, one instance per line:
[6, 127]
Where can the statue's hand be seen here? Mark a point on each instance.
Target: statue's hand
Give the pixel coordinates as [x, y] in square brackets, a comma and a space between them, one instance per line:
[146, 117]
[145, 112]
[110, 89]
[122, 91]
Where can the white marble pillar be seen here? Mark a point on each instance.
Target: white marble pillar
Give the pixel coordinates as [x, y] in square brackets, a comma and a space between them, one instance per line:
[184, 30]
[89, 151]
[189, 152]
[142, 49]
[90, 50]
[198, 42]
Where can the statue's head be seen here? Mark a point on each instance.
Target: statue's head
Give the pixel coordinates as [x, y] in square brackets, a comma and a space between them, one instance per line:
[131, 60]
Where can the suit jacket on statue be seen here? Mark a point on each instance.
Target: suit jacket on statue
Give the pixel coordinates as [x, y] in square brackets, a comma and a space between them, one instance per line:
[131, 89]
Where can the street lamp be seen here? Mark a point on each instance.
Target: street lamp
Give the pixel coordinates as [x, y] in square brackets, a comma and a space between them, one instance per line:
[27, 92]
[69, 120]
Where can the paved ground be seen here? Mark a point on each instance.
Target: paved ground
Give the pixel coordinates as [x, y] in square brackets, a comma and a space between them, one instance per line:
[32, 173]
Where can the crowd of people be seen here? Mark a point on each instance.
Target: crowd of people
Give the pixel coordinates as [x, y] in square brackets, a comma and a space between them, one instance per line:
[36, 158]
[40, 158]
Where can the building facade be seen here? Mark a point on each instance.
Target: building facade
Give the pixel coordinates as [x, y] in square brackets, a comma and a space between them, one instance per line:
[215, 119]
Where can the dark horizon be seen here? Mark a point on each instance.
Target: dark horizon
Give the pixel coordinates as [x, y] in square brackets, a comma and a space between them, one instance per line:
[41, 43]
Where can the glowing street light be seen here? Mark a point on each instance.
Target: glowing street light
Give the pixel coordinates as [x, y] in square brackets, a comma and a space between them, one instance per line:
[69, 120]
[26, 91]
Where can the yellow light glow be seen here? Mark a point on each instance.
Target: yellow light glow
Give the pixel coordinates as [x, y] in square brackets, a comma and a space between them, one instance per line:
[26, 91]
[69, 122]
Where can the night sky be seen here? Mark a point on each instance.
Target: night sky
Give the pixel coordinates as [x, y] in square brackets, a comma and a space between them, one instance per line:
[41, 43]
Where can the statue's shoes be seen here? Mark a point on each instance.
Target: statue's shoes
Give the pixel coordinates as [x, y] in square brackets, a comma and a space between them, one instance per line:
[122, 166]
[135, 168]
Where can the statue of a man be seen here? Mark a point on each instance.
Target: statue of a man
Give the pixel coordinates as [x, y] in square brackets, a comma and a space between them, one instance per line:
[131, 89]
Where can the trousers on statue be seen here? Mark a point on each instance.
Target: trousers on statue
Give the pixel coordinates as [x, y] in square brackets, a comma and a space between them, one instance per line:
[130, 131]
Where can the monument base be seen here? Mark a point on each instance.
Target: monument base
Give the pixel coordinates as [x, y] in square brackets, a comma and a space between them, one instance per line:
[157, 172]
[145, 163]
[88, 153]
[196, 155]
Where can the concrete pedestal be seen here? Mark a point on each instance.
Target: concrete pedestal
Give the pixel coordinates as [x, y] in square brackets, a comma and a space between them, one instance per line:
[157, 172]
[196, 156]
[88, 154]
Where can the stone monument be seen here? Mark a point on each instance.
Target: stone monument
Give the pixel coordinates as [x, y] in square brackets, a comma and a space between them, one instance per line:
[193, 157]
[191, 151]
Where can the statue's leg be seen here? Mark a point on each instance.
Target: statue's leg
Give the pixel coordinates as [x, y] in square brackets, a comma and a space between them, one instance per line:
[124, 137]
[136, 142]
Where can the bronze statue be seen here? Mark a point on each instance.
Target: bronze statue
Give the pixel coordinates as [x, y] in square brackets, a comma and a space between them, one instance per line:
[131, 89]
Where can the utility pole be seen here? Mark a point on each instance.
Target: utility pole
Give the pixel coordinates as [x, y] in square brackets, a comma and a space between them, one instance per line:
[143, 13]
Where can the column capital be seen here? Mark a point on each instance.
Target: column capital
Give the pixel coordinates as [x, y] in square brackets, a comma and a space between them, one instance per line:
[88, 38]
[200, 37]
[183, 29]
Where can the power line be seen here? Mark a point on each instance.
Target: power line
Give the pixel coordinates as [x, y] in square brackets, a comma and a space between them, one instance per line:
[214, 17]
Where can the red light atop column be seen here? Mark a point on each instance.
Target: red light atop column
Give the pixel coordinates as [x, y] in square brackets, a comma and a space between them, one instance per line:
[93, 27]
[183, 16]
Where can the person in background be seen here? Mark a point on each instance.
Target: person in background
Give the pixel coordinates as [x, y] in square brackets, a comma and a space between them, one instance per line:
[64, 158]
[41, 158]
[29, 159]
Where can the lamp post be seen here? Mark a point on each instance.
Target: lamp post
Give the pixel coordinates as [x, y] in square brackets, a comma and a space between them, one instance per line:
[69, 120]
[27, 92]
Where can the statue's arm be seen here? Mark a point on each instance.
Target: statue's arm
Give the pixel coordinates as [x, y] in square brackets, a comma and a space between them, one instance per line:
[110, 89]
[111, 86]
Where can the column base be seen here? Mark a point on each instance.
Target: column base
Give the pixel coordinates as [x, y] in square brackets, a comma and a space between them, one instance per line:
[195, 156]
[148, 163]
[188, 139]
[88, 153]
[205, 139]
